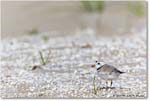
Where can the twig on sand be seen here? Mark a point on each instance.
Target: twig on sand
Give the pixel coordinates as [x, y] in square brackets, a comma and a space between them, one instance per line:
[42, 58]
[95, 88]
[44, 61]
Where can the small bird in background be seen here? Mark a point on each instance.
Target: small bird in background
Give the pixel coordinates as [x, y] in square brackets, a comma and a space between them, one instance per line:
[107, 72]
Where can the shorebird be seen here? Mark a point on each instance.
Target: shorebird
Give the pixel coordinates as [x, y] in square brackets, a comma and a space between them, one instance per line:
[107, 72]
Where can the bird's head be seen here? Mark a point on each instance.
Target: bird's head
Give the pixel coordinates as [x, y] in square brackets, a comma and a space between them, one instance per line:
[98, 64]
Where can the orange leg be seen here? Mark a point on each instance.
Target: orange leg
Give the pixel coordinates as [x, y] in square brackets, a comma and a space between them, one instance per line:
[111, 83]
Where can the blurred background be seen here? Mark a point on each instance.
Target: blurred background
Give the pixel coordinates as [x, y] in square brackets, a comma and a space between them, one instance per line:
[66, 17]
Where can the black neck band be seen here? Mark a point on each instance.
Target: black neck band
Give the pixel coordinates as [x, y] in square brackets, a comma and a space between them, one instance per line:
[99, 68]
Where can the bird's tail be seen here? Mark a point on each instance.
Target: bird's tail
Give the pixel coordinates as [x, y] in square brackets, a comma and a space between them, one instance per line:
[121, 72]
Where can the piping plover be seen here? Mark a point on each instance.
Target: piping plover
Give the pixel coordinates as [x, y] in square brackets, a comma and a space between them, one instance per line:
[107, 72]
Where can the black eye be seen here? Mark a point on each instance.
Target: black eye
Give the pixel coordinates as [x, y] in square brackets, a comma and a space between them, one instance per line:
[98, 63]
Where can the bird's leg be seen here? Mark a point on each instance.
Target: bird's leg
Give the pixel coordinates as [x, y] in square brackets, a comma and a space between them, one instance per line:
[107, 84]
[111, 83]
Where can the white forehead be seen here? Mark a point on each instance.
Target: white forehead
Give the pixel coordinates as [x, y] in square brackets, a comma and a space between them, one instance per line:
[99, 65]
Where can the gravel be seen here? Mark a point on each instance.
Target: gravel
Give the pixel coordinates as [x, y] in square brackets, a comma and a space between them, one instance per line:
[67, 72]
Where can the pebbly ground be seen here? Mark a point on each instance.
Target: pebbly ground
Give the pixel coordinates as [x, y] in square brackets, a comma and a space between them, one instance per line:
[67, 72]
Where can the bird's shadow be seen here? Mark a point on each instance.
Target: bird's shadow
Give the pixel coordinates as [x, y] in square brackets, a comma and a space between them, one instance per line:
[106, 88]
